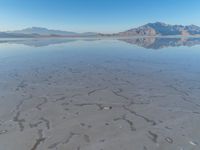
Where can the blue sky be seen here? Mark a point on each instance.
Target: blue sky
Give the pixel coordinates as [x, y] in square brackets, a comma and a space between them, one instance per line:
[95, 15]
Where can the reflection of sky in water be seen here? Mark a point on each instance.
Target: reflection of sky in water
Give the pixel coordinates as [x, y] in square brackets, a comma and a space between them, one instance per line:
[97, 52]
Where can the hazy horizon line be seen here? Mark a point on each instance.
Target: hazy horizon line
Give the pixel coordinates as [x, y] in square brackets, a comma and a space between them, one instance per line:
[88, 31]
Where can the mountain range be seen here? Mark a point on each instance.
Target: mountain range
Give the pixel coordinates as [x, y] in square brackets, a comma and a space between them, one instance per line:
[35, 32]
[162, 29]
[150, 29]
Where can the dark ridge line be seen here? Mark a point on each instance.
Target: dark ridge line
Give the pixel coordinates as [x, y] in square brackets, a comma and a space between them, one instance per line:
[128, 121]
[18, 106]
[186, 100]
[141, 116]
[34, 125]
[71, 135]
[54, 145]
[93, 91]
[47, 122]
[117, 94]
[91, 104]
[75, 95]
[61, 99]
[45, 100]
[39, 140]
[180, 91]
[153, 136]
[19, 121]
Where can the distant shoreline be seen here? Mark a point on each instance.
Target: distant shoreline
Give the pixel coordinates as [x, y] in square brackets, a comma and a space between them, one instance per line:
[101, 37]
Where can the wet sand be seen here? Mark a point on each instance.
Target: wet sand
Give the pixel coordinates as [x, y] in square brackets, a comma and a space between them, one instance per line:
[67, 99]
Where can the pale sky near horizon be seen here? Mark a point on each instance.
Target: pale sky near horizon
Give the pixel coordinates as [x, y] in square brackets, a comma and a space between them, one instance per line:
[95, 15]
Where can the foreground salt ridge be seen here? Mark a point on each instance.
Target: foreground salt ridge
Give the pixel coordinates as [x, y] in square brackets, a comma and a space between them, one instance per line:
[116, 104]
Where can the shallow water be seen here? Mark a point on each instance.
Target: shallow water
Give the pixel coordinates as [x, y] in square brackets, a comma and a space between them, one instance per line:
[100, 94]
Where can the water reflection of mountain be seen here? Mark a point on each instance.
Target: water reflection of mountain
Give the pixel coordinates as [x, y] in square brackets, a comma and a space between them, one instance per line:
[146, 42]
[159, 43]
[37, 42]
[41, 42]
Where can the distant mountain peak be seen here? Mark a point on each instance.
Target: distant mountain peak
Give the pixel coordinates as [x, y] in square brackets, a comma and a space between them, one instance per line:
[44, 31]
[158, 23]
[36, 28]
[160, 28]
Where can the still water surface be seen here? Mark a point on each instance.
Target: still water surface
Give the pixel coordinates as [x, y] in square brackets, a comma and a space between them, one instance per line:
[100, 94]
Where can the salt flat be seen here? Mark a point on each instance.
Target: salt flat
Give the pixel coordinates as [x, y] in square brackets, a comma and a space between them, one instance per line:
[98, 95]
